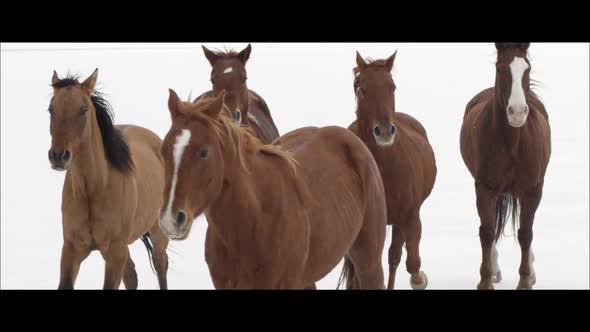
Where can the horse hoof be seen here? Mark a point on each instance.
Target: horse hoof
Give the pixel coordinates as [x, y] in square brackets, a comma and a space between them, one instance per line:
[485, 286]
[498, 277]
[422, 284]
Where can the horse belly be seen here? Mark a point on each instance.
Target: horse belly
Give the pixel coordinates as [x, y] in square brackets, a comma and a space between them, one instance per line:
[336, 217]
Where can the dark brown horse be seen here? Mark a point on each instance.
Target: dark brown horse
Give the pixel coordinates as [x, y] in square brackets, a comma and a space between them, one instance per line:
[405, 158]
[113, 185]
[281, 215]
[506, 145]
[245, 106]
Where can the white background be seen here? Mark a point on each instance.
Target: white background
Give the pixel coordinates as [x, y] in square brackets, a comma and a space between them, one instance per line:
[303, 84]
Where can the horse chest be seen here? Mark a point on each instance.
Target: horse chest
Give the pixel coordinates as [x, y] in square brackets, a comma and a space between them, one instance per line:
[509, 171]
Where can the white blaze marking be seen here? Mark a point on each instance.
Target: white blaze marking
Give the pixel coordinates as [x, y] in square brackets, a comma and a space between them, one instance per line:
[179, 146]
[228, 70]
[517, 98]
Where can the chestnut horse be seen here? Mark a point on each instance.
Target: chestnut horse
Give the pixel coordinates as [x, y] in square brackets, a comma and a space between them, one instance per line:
[405, 158]
[280, 216]
[506, 145]
[243, 105]
[113, 185]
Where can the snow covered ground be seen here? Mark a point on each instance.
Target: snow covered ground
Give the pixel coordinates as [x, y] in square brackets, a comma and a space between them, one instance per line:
[304, 84]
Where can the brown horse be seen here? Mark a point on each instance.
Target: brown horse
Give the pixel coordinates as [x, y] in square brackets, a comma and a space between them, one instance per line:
[506, 145]
[282, 215]
[405, 158]
[113, 185]
[243, 105]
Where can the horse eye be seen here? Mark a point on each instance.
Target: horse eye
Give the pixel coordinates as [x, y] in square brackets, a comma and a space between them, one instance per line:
[204, 153]
[360, 92]
[244, 80]
[50, 111]
[83, 110]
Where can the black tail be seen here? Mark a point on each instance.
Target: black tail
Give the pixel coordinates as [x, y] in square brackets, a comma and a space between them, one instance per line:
[347, 275]
[506, 204]
[147, 241]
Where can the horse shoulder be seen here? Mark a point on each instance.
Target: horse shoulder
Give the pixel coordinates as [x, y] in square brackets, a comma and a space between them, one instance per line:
[483, 96]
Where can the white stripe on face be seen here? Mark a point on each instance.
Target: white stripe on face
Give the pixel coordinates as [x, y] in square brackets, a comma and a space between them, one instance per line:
[517, 69]
[517, 107]
[228, 70]
[181, 142]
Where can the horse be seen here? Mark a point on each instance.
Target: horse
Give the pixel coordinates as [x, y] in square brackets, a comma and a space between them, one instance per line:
[506, 145]
[399, 144]
[113, 184]
[281, 215]
[243, 105]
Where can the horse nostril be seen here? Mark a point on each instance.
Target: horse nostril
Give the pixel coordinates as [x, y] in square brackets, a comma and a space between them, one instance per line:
[50, 155]
[377, 131]
[526, 109]
[392, 129]
[65, 155]
[510, 110]
[180, 218]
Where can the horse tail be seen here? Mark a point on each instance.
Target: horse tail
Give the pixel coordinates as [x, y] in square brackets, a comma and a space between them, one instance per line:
[347, 274]
[147, 241]
[506, 205]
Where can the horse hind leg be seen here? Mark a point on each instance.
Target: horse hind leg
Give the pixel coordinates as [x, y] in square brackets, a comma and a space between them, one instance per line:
[130, 276]
[413, 234]
[159, 255]
[365, 256]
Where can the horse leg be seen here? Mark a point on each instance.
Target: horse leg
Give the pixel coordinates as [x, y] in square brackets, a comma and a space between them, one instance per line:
[395, 253]
[497, 274]
[486, 208]
[159, 255]
[130, 276]
[413, 233]
[71, 258]
[115, 256]
[529, 204]
[365, 256]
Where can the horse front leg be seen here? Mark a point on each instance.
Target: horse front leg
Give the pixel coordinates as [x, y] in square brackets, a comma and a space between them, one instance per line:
[71, 258]
[115, 257]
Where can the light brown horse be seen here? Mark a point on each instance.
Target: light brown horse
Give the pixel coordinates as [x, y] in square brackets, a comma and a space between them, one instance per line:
[113, 185]
[281, 216]
[228, 73]
[405, 158]
[506, 145]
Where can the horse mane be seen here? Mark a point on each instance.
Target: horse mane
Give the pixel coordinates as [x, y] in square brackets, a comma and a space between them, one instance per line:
[115, 144]
[241, 137]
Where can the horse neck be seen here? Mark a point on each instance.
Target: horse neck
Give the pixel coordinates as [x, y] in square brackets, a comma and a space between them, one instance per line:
[239, 184]
[89, 169]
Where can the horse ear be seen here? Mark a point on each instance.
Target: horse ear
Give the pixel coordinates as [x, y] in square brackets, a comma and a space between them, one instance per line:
[360, 62]
[90, 82]
[211, 56]
[173, 101]
[244, 55]
[217, 106]
[54, 78]
[390, 60]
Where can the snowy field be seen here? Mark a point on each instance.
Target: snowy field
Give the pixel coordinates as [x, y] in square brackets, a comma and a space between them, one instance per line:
[303, 84]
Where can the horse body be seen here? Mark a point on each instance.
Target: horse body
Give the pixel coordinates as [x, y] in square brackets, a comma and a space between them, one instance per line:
[400, 146]
[507, 158]
[287, 221]
[106, 206]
